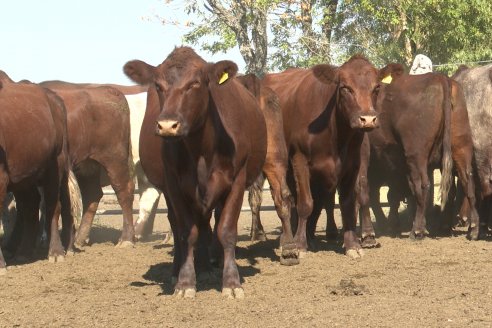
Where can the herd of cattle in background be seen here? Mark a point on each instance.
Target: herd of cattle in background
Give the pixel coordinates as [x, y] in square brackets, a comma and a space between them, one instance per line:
[202, 134]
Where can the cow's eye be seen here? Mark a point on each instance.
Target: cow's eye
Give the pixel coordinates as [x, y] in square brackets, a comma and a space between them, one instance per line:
[376, 89]
[158, 87]
[346, 89]
[194, 84]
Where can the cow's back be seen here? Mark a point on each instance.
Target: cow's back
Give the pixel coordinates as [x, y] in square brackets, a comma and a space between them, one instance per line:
[29, 135]
[302, 99]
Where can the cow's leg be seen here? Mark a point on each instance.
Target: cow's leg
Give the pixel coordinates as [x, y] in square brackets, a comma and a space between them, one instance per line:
[319, 195]
[255, 197]
[68, 225]
[462, 162]
[419, 184]
[3, 194]
[27, 202]
[394, 199]
[56, 252]
[123, 186]
[367, 229]
[92, 193]
[149, 199]
[347, 200]
[331, 226]
[377, 209]
[304, 202]
[227, 235]
[276, 174]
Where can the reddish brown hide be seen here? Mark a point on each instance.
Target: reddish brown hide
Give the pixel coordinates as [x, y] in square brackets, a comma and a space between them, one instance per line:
[326, 111]
[33, 153]
[423, 125]
[100, 150]
[205, 158]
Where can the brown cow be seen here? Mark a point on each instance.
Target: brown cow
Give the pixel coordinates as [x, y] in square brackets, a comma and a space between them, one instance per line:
[205, 159]
[423, 125]
[276, 162]
[326, 111]
[34, 153]
[100, 148]
[477, 87]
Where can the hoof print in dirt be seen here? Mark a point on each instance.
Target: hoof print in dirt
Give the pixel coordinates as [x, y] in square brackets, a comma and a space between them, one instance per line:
[347, 287]
[233, 293]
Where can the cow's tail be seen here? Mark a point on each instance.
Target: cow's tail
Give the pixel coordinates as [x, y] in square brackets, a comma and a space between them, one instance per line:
[75, 198]
[447, 161]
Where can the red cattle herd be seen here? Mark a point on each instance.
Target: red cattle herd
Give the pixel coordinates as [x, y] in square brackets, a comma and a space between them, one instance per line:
[209, 134]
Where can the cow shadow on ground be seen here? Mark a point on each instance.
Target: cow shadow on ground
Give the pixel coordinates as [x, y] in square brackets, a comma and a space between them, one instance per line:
[161, 274]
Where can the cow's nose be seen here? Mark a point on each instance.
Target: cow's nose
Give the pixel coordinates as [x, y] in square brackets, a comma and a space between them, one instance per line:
[168, 128]
[368, 121]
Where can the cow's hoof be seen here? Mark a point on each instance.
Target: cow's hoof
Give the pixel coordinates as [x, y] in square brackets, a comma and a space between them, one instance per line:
[169, 239]
[185, 293]
[70, 253]
[3, 271]
[473, 233]
[370, 242]
[289, 255]
[232, 293]
[56, 258]
[80, 244]
[125, 244]
[355, 253]
[416, 236]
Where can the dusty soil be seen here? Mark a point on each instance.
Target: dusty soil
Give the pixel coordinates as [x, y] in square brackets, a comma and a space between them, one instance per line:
[437, 282]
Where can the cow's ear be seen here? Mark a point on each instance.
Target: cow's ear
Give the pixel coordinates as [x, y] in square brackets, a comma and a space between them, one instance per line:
[139, 71]
[221, 72]
[390, 72]
[326, 73]
[251, 82]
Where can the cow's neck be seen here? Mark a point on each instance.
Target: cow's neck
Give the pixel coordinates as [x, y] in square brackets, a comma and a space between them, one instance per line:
[346, 137]
[200, 143]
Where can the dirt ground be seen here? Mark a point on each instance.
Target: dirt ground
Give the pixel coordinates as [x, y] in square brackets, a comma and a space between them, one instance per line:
[437, 282]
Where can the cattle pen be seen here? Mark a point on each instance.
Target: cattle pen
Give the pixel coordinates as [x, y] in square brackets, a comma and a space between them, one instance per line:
[438, 282]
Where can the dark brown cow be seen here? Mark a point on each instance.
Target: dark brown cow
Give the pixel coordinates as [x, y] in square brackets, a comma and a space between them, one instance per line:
[326, 111]
[33, 152]
[205, 158]
[477, 88]
[100, 148]
[423, 126]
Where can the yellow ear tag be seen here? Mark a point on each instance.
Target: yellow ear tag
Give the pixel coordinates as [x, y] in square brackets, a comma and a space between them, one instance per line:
[223, 78]
[387, 79]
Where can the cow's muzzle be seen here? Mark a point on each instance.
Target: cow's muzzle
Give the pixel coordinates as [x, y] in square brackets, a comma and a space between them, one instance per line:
[368, 122]
[168, 128]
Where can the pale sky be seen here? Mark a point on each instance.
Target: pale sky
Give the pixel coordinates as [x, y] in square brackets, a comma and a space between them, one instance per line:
[87, 40]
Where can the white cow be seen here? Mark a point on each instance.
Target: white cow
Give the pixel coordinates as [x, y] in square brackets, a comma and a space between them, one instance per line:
[421, 65]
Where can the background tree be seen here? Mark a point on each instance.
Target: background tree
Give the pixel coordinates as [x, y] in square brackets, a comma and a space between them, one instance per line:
[274, 34]
[396, 30]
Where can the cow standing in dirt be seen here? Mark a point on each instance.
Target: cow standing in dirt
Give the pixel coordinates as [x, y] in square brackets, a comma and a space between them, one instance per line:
[326, 111]
[34, 153]
[100, 151]
[477, 87]
[204, 158]
[423, 126]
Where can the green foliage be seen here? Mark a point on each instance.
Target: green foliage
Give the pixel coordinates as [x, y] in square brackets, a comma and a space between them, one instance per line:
[448, 31]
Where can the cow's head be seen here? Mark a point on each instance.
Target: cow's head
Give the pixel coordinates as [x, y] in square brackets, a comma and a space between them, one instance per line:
[182, 85]
[357, 85]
